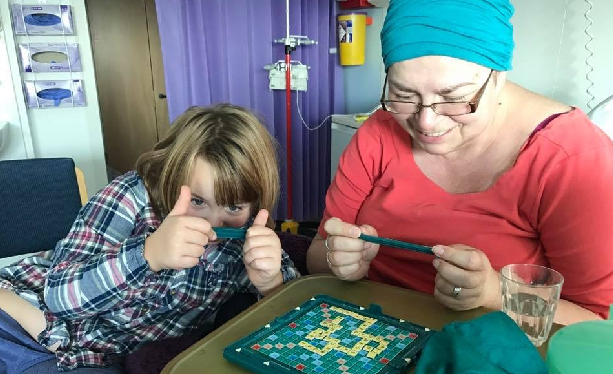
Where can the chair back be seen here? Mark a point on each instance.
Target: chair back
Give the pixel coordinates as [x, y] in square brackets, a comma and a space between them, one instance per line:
[39, 201]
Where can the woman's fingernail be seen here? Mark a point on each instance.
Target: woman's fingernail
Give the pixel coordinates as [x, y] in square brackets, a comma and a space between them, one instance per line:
[354, 231]
[436, 262]
[438, 250]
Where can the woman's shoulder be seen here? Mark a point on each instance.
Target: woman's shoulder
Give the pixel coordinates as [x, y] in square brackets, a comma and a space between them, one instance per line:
[379, 121]
[530, 108]
[381, 126]
[573, 132]
[556, 124]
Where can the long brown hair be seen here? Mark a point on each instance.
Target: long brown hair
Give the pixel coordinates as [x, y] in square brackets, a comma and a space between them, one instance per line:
[239, 148]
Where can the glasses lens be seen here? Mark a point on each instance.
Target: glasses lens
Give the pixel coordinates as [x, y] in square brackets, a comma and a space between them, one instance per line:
[402, 107]
[452, 109]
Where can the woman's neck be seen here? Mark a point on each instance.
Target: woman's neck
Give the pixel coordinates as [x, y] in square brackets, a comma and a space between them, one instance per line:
[486, 143]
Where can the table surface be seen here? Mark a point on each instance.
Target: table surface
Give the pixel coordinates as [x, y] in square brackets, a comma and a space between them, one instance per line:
[412, 306]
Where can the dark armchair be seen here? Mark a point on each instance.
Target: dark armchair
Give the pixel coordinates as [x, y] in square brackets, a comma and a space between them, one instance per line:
[39, 201]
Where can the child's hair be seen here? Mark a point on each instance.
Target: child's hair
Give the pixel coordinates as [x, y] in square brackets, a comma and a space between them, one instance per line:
[238, 147]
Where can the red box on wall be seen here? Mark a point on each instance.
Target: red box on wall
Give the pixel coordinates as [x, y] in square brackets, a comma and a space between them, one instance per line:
[352, 4]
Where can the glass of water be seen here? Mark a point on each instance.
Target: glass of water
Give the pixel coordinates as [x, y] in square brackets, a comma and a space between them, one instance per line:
[530, 295]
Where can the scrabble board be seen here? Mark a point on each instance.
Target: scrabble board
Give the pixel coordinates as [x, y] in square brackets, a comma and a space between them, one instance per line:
[330, 336]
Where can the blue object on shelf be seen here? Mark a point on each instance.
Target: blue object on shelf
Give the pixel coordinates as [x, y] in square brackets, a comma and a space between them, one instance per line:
[37, 19]
[42, 19]
[55, 94]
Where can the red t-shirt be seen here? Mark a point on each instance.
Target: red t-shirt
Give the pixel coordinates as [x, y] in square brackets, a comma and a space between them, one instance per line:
[554, 207]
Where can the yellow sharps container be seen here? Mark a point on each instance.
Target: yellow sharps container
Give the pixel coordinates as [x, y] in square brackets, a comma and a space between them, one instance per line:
[352, 38]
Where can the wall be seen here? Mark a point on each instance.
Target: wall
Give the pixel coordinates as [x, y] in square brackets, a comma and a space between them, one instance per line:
[538, 26]
[58, 132]
[536, 66]
[363, 83]
[17, 142]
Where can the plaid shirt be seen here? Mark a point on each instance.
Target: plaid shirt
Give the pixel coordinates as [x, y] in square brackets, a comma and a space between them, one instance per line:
[98, 294]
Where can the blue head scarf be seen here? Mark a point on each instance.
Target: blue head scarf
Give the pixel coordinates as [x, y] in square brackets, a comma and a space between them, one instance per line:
[478, 31]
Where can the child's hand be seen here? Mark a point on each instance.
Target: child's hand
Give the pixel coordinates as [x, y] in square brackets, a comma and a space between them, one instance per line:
[262, 255]
[179, 241]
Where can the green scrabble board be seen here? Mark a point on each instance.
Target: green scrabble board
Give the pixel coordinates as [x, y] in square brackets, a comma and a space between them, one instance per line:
[330, 336]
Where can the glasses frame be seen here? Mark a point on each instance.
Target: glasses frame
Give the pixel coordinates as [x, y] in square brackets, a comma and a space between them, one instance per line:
[473, 104]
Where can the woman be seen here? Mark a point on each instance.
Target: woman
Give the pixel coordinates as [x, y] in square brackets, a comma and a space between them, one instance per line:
[484, 170]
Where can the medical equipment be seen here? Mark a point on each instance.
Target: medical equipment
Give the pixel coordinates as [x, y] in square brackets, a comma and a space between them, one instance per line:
[277, 72]
[45, 57]
[352, 38]
[42, 19]
[353, 4]
[54, 94]
[298, 82]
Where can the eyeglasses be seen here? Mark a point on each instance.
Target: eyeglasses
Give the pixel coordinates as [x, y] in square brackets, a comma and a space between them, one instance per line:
[452, 108]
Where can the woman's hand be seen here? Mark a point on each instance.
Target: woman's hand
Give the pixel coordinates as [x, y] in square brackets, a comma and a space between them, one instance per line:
[349, 257]
[179, 241]
[262, 255]
[465, 278]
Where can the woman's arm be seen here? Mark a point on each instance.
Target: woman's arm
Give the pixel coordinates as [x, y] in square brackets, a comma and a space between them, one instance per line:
[568, 313]
[480, 285]
[575, 218]
[360, 165]
[316, 256]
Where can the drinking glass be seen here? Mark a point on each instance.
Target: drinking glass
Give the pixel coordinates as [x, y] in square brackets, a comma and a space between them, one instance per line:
[530, 295]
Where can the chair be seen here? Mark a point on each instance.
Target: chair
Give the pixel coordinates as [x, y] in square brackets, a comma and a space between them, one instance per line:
[39, 201]
[82, 186]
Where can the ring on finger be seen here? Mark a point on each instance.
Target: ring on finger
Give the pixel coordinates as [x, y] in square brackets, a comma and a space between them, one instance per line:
[328, 259]
[327, 245]
[456, 292]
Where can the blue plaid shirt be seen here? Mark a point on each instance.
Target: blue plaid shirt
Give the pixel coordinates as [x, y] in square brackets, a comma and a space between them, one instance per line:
[98, 294]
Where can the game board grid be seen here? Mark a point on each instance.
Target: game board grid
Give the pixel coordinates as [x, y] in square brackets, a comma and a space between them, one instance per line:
[283, 347]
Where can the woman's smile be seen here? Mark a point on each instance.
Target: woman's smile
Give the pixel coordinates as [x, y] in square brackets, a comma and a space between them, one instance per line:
[432, 136]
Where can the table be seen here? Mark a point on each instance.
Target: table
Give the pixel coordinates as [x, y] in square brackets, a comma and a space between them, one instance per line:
[206, 356]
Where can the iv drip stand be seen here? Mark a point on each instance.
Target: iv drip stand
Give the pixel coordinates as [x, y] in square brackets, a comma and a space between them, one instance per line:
[289, 224]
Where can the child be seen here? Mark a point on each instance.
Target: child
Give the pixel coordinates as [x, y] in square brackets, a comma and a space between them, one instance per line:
[142, 261]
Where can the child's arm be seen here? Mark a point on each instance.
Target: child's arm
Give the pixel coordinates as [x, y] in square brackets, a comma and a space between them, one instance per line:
[100, 261]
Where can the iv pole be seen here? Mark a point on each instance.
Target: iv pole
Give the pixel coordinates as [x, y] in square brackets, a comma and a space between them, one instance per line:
[289, 224]
[290, 42]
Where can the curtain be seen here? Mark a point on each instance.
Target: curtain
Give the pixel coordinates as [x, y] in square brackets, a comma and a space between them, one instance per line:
[215, 51]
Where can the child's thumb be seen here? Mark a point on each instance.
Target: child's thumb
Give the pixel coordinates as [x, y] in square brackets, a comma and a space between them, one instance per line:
[261, 219]
[182, 204]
